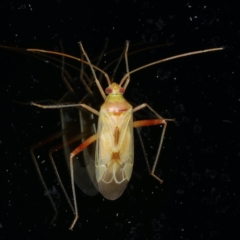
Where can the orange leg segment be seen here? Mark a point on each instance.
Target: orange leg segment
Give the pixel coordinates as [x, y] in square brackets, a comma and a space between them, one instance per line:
[150, 122]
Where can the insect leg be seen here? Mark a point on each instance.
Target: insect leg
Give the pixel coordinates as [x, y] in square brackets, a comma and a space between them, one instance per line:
[90, 109]
[32, 149]
[80, 148]
[150, 122]
[56, 148]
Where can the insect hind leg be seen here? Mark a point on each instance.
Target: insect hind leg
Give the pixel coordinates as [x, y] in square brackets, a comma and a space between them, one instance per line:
[150, 122]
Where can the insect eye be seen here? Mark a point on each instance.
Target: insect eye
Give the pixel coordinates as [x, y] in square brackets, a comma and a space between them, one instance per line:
[108, 90]
[121, 90]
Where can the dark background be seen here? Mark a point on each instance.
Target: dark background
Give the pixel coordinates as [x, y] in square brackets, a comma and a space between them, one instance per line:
[199, 198]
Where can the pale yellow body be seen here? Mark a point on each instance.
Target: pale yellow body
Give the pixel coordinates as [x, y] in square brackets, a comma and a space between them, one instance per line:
[114, 149]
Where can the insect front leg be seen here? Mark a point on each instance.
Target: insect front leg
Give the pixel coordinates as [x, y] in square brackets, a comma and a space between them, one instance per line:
[150, 122]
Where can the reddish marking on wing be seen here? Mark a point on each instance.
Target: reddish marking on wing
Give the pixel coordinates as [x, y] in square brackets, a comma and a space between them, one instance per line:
[115, 156]
[116, 136]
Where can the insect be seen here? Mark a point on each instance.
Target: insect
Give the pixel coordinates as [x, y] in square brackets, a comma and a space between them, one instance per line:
[81, 126]
[76, 126]
[114, 154]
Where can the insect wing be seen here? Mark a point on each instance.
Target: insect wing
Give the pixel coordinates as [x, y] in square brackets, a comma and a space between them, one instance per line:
[114, 152]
